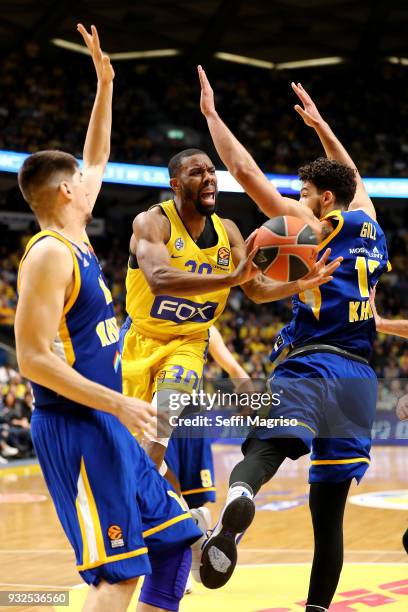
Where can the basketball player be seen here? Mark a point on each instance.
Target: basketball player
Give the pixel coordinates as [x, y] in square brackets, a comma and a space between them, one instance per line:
[395, 327]
[190, 463]
[329, 339]
[121, 518]
[190, 459]
[183, 261]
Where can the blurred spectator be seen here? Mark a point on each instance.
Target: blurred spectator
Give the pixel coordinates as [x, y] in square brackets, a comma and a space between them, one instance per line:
[156, 109]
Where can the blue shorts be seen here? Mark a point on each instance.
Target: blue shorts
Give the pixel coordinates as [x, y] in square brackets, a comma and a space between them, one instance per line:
[332, 400]
[115, 508]
[191, 461]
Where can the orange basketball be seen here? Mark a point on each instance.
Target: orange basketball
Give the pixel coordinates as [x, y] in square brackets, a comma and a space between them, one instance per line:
[287, 248]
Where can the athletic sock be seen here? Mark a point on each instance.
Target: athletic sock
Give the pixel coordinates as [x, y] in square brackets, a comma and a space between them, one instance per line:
[237, 489]
[312, 608]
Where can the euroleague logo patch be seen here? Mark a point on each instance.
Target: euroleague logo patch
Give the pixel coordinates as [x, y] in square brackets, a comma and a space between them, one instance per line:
[223, 257]
[115, 536]
[179, 244]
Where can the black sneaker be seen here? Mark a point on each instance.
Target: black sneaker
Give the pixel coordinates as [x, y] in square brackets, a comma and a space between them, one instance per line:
[219, 556]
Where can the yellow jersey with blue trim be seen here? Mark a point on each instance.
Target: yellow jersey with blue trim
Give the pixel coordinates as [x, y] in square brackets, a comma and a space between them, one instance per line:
[88, 334]
[168, 316]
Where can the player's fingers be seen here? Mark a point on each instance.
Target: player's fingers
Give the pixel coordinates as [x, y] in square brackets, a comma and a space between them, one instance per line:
[300, 93]
[325, 255]
[202, 77]
[85, 35]
[249, 242]
[95, 35]
[252, 254]
[300, 110]
[323, 280]
[333, 265]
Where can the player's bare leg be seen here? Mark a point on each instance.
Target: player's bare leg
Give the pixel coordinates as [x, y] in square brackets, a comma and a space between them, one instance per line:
[107, 597]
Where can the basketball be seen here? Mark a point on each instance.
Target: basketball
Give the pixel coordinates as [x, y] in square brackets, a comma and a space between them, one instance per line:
[287, 248]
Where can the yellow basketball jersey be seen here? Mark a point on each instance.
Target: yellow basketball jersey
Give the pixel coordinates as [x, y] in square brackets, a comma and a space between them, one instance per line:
[166, 316]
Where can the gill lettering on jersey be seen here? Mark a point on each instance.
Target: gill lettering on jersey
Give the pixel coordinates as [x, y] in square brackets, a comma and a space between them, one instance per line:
[368, 230]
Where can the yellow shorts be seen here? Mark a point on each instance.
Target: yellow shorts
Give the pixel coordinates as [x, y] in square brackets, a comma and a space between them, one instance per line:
[149, 364]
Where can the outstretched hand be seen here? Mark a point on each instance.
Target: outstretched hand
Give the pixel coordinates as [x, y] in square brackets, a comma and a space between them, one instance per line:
[321, 272]
[103, 67]
[207, 104]
[309, 111]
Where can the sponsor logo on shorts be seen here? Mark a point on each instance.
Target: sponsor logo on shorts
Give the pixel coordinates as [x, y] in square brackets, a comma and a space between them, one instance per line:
[179, 243]
[115, 536]
[181, 310]
[223, 257]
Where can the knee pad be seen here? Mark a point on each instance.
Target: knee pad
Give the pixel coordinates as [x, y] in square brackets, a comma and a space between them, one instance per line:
[165, 586]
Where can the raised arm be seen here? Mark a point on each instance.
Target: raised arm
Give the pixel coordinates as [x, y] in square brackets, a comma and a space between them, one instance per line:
[243, 167]
[150, 234]
[39, 311]
[97, 142]
[332, 146]
[262, 289]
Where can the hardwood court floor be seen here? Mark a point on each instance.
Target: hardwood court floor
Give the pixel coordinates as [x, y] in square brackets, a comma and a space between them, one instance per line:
[274, 555]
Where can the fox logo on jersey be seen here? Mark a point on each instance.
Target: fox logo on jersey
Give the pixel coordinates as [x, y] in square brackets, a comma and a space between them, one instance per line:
[180, 310]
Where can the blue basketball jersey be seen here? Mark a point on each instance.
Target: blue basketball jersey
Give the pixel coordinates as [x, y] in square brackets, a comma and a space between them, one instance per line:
[339, 312]
[88, 335]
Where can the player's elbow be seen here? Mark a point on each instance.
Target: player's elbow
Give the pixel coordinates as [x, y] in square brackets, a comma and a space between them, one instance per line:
[29, 362]
[24, 362]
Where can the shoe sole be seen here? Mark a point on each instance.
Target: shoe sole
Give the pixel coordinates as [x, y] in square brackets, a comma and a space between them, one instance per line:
[219, 556]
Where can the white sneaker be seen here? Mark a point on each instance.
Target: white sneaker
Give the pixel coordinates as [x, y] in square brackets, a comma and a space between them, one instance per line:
[202, 517]
[189, 586]
[9, 451]
[3, 461]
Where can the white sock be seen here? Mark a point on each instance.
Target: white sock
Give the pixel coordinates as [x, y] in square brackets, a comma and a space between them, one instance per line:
[236, 490]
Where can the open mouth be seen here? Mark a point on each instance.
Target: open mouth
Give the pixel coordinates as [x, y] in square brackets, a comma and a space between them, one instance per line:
[207, 197]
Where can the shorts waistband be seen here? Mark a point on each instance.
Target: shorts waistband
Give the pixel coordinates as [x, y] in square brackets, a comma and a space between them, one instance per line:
[308, 349]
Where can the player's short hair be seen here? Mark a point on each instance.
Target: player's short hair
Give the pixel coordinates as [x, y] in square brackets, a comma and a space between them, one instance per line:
[39, 169]
[175, 162]
[331, 175]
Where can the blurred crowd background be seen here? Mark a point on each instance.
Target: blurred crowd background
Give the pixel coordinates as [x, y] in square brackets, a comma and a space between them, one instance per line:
[156, 114]
[156, 110]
